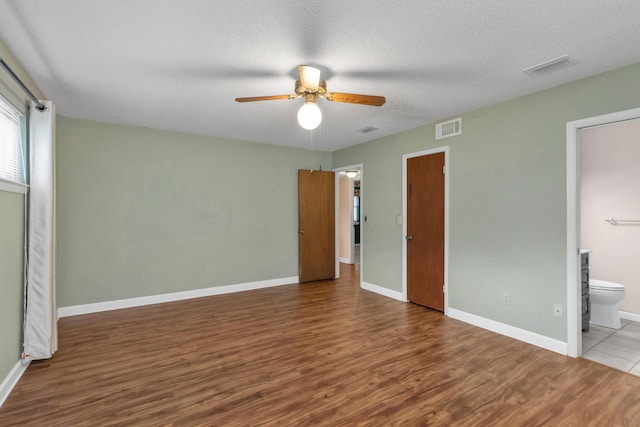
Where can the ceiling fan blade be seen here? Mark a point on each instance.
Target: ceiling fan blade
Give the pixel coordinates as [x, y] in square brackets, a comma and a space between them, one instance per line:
[354, 98]
[309, 77]
[265, 98]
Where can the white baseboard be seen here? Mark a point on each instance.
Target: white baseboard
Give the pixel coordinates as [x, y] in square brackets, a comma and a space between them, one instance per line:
[11, 380]
[345, 260]
[629, 316]
[382, 291]
[510, 331]
[76, 310]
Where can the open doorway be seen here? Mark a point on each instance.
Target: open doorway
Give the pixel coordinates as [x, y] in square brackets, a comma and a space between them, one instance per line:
[609, 214]
[349, 233]
[574, 227]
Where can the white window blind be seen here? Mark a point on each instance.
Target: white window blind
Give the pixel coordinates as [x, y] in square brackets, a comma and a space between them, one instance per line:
[11, 150]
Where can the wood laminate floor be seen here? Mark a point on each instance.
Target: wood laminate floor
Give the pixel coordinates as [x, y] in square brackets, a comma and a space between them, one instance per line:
[323, 353]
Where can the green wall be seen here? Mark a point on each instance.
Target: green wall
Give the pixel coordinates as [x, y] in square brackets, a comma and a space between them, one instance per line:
[144, 212]
[11, 279]
[507, 200]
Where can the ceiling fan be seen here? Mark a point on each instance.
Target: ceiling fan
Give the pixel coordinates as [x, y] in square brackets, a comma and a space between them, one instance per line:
[311, 87]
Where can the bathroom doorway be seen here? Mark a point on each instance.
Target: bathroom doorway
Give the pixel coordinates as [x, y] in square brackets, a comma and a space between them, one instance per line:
[610, 229]
[574, 224]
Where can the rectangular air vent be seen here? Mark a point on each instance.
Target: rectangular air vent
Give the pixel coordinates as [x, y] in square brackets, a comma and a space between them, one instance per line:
[367, 129]
[449, 128]
[548, 66]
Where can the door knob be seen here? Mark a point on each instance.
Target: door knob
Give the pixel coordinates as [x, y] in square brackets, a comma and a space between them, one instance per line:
[301, 231]
[409, 237]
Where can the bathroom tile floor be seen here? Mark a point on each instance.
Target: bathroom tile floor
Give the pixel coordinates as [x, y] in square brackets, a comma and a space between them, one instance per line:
[618, 348]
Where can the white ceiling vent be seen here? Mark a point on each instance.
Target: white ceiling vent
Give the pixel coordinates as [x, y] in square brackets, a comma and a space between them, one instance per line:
[548, 66]
[368, 129]
[449, 128]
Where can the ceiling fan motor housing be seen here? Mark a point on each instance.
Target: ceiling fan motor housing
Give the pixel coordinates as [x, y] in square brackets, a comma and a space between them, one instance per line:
[302, 91]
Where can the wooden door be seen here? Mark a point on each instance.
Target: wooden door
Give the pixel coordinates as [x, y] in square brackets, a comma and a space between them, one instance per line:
[316, 225]
[425, 230]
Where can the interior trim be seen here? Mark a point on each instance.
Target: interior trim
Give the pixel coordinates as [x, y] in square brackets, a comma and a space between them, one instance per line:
[382, 291]
[76, 310]
[11, 380]
[629, 316]
[12, 187]
[510, 331]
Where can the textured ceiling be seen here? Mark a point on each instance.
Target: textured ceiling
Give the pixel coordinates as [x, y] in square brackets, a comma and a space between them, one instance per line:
[179, 64]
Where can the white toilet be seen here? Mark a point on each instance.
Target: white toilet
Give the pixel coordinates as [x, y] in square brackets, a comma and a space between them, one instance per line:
[604, 297]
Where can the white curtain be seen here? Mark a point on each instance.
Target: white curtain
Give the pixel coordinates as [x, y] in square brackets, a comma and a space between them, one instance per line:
[40, 329]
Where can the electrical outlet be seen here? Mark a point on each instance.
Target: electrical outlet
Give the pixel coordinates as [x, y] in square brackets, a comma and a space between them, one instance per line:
[506, 298]
[557, 310]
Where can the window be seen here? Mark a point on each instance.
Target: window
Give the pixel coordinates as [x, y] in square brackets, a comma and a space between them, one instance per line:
[11, 150]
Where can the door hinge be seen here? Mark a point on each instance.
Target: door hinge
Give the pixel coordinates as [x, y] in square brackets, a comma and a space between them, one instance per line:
[443, 169]
[443, 288]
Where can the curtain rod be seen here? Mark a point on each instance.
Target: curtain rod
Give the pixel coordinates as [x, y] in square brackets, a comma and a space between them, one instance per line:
[39, 105]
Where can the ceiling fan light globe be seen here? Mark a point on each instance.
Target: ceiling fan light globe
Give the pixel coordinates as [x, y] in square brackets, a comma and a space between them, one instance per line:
[309, 116]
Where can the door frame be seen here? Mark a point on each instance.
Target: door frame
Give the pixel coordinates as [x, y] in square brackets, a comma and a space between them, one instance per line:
[405, 158]
[337, 171]
[574, 297]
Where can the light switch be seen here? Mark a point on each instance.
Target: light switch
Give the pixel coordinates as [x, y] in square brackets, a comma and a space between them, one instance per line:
[399, 220]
